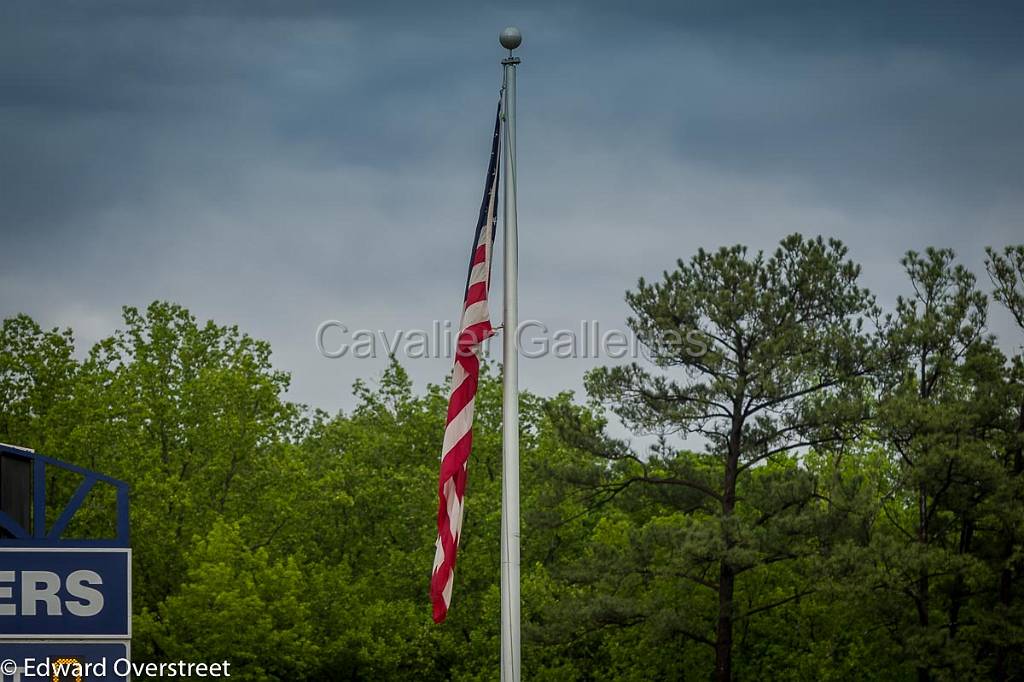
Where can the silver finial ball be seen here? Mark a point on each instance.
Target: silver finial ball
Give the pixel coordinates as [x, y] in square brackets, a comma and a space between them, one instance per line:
[510, 38]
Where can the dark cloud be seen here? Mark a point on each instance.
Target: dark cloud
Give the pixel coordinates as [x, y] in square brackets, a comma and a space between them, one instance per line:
[276, 164]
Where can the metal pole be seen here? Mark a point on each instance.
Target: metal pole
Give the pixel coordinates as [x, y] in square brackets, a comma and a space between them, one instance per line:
[510, 619]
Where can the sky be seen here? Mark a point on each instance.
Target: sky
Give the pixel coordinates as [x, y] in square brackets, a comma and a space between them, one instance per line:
[278, 164]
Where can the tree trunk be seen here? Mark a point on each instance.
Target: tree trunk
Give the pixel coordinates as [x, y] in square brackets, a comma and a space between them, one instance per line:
[1005, 595]
[956, 598]
[723, 632]
[726, 574]
[726, 571]
[922, 581]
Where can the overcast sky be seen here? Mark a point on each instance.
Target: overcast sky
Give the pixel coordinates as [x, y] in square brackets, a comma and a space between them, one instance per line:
[277, 164]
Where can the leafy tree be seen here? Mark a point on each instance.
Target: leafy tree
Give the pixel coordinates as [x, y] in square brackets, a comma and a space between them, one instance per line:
[932, 418]
[191, 417]
[37, 372]
[767, 355]
[236, 604]
[1006, 271]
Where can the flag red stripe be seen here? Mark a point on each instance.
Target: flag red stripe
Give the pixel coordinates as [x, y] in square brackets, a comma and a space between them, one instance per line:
[476, 293]
[464, 392]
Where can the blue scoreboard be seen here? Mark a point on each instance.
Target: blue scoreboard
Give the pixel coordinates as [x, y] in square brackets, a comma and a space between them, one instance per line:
[51, 593]
[65, 603]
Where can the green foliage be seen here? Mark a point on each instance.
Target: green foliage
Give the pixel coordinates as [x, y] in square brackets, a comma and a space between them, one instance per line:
[859, 485]
[37, 371]
[237, 604]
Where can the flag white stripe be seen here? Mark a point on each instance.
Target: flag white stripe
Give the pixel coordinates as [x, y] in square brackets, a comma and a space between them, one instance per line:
[457, 428]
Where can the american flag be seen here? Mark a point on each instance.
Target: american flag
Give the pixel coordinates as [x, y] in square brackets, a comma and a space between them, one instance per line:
[474, 329]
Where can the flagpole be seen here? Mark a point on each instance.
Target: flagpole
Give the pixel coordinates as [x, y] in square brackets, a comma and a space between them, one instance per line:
[510, 39]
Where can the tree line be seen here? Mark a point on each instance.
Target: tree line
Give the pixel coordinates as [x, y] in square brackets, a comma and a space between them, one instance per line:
[832, 491]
